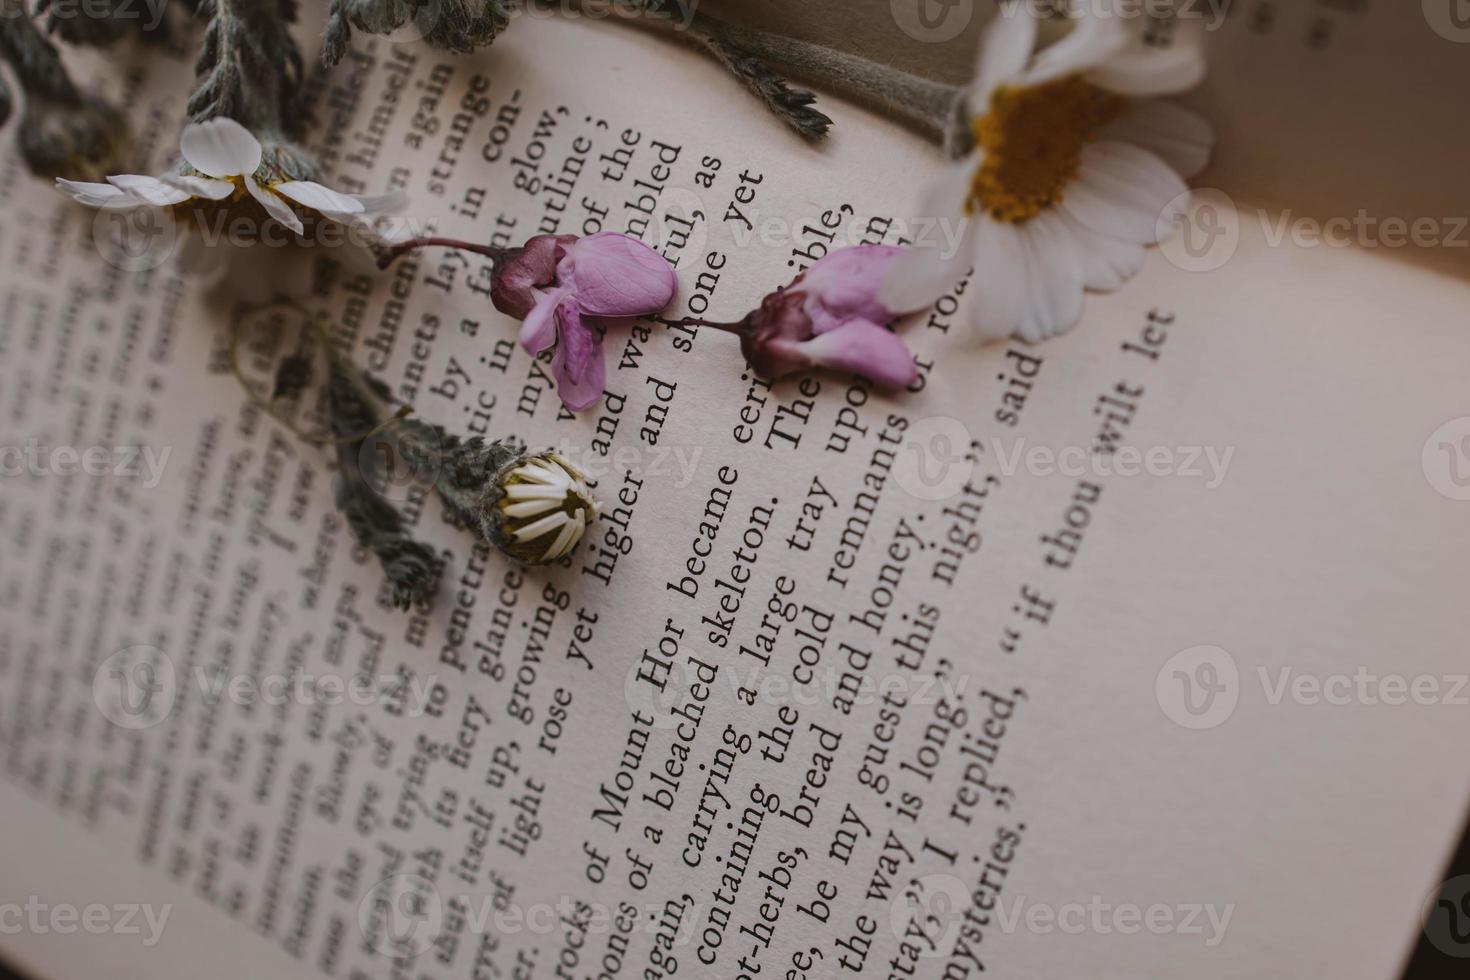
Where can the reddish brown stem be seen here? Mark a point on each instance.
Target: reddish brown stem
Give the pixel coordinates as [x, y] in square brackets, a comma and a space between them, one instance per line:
[490, 251]
[694, 321]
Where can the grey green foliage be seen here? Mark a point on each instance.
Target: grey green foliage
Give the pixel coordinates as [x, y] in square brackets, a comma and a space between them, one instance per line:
[794, 105]
[63, 131]
[412, 568]
[102, 23]
[249, 68]
[457, 26]
[467, 473]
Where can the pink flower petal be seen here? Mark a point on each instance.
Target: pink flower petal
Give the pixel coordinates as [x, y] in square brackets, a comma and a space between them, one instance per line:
[844, 284]
[577, 364]
[519, 281]
[862, 347]
[538, 330]
[615, 275]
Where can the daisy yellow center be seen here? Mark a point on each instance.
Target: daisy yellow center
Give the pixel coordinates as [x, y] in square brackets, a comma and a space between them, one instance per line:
[240, 205]
[1033, 139]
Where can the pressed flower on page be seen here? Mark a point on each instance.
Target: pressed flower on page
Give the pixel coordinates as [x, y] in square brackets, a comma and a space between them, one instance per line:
[1073, 175]
[222, 182]
[222, 159]
[567, 291]
[831, 316]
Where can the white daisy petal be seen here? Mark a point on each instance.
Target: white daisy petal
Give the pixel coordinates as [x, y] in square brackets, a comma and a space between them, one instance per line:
[309, 193]
[944, 199]
[933, 265]
[1055, 279]
[1142, 71]
[534, 491]
[150, 190]
[1094, 40]
[205, 187]
[530, 508]
[220, 148]
[1004, 51]
[373, 205]
[1095, 208]
[920, 276]
[547, 524]
[1000, 279]
[97, 195]
[1181, 138]
[278, 208]
[1106, 262]
[538, 472]
[567, 537]
[1122, 190]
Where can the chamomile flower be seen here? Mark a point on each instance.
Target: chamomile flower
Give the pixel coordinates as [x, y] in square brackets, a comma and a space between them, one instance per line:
[222, 161]
[1073, 175]
[231, 191]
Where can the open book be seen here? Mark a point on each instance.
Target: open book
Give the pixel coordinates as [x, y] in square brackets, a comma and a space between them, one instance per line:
[1137, 654]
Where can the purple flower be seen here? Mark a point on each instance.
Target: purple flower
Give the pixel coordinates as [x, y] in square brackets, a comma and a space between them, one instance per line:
[831, 317]
[566, 290]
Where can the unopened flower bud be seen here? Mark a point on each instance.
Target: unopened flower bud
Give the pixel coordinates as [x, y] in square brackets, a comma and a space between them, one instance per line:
[543, 509]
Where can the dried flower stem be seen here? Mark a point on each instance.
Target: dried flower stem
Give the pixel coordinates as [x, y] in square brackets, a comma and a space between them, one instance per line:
[694, 321]
[335, 361]
[390, 255]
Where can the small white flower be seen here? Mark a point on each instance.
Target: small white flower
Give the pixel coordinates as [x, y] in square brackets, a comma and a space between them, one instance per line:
[223, 169]
[545, 508]
[1071, 177]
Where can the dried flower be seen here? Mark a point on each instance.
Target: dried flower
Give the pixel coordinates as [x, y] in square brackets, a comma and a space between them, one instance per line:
[222, 164]
[231, 191]
[532, 507]
[567, 290]
[830, 316]
[543, 510]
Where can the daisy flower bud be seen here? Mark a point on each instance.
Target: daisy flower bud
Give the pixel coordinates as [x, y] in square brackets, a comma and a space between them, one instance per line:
[533, 507]
[543, 508]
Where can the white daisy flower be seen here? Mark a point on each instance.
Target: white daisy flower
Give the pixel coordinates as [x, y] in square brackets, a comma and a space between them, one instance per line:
[222, 171]
[1073, 171]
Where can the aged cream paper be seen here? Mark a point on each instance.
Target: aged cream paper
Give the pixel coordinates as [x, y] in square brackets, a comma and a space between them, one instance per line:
[1136, 654]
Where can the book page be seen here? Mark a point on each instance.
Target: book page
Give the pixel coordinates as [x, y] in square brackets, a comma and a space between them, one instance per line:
[1137, 653]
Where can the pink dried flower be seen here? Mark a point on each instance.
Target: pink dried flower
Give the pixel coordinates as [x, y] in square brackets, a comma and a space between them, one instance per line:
[566, 291]
[830, 316]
